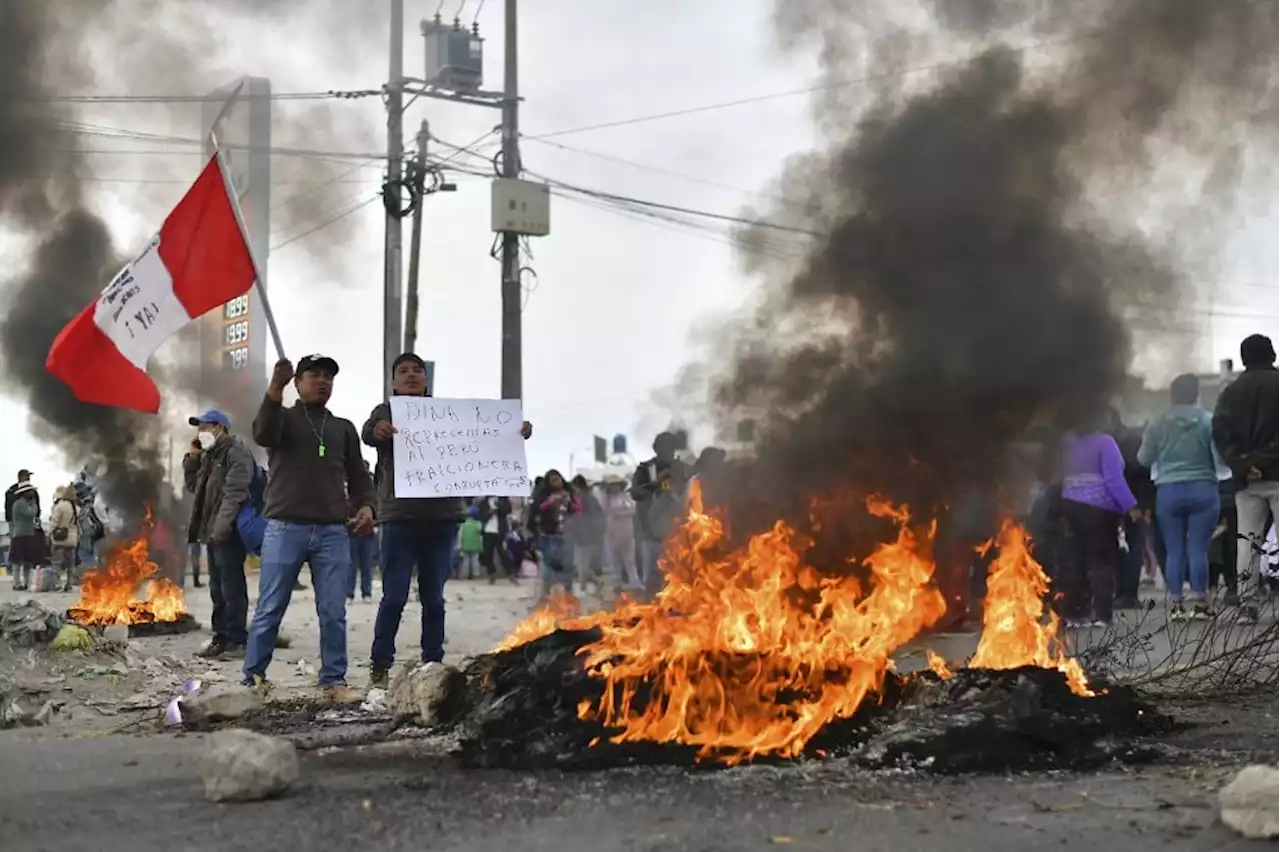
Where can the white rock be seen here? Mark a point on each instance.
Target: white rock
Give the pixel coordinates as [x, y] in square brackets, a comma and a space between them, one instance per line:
[219, 702]
[1250, 803]
[421, 692]
[241, 766]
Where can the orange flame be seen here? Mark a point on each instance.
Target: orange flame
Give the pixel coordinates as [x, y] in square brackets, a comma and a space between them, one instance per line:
[753, 651]
[938, 665]
[1014, 630]
[108, 595]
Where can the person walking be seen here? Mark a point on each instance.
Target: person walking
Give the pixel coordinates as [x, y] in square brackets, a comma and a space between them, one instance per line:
[553, 508]
[494, 515]
[658, 488]
[315, 463]
[364, 553]
[620, 534]
[1095, 497]
[470, 545]
[1178, 446]
[217, 470]
[1136, 525]
[26, 542]
[418, 532]
[1245, 425]
[585, 531]
[64, 534]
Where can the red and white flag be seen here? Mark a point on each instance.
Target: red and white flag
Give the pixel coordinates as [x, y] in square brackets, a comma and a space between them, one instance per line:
[199, 261]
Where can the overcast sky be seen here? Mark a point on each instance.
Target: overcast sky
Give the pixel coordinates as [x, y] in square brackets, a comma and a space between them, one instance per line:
[618, 296]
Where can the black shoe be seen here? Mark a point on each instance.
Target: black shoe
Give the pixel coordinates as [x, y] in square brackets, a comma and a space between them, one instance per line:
[1200, 612]
[380, 676]
[213, 650]
[197, 583]
[1231, 599]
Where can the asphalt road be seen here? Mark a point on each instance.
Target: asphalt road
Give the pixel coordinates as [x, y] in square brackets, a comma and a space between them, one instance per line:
[144, 794]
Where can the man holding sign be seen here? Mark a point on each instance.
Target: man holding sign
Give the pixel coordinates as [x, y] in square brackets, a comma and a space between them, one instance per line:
[431, 454]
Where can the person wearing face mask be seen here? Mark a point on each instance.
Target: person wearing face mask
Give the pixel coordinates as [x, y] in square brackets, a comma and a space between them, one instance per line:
[217, 470]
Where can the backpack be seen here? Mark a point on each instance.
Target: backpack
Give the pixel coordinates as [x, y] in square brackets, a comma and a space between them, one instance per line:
[251, 524]
[91, 525]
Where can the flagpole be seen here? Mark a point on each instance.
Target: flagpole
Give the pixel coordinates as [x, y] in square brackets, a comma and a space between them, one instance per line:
[263, 301]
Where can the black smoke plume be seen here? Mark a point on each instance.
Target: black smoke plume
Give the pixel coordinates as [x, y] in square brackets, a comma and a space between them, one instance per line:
[982, 265]
[66, 253]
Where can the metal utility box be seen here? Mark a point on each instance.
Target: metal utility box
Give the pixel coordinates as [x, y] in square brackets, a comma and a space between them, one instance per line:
[521, 207]
[455, 57]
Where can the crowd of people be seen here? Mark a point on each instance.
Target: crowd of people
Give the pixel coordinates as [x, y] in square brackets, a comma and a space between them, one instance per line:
[1189, 490]
[46, 554]
[1175, 494]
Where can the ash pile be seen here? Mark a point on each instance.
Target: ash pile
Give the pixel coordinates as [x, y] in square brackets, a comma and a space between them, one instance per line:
[521, 711]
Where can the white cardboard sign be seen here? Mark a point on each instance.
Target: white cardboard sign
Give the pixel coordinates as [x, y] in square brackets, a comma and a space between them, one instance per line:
[458, 447]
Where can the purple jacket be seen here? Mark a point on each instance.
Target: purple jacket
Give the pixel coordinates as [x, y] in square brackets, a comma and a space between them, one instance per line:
[1093, 473]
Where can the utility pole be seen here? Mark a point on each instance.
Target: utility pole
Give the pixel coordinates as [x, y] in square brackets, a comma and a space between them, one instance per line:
[415, 242]
[392, 278]
[512, 367]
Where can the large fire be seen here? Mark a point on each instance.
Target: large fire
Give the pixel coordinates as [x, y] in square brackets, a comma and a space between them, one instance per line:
[109, 595]
[752, 652]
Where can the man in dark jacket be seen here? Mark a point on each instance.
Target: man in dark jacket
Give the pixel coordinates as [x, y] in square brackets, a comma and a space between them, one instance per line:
[415, 531]
[315, 464]
[658, 487]
[217, 471]
[24, 477]
[1138, 478]
[1245, 423]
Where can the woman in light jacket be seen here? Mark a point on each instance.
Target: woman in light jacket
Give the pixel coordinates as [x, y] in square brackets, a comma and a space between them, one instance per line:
[64, 534]
[1178, 446]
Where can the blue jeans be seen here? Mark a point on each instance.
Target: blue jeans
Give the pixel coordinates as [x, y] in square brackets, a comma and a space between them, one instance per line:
[228, 590]
[1188, 512]
[364, 552]
[429, 545]
[285, 547]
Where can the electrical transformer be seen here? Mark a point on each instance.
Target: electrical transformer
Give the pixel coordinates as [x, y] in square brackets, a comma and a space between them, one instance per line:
[455, 56]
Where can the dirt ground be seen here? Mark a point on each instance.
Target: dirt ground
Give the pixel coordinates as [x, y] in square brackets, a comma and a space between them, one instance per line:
[102, 692]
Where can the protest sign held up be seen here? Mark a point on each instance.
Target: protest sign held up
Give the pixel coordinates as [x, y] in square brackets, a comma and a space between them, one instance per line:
[458, 447]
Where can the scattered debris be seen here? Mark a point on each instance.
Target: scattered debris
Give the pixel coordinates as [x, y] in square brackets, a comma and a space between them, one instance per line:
[1250, 802]
[116, 635]
[428, 694]
[72, 637]
[26, 623]
[219, 702]
[376, 701]
[242, 766]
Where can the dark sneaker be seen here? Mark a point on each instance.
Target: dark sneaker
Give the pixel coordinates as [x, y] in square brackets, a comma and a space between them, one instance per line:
[1231, 599]
[212, 651]
[366, 599]
[1248, 615]
[380, 677]
[1201, 612]
[232, 651]
[198, 584]
[1177, 613]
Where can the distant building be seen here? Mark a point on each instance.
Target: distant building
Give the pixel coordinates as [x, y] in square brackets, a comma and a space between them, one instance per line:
[1141, 403]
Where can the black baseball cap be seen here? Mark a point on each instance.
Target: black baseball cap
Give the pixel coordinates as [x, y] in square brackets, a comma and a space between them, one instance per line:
[407, 357]
[316, 362]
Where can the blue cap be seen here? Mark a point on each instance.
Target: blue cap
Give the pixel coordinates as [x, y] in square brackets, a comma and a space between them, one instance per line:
[213, 415]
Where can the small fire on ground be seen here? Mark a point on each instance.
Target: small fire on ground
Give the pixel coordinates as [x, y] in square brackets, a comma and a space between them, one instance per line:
[110, 594]
[752, 652]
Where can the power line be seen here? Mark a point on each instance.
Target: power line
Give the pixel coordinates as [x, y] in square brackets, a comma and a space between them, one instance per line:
[660, 171]
[326, 222]
[329, 95]
[854, 81]
[673, 208]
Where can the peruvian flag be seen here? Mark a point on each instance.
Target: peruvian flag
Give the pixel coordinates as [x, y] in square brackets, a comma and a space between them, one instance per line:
[199, 261]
